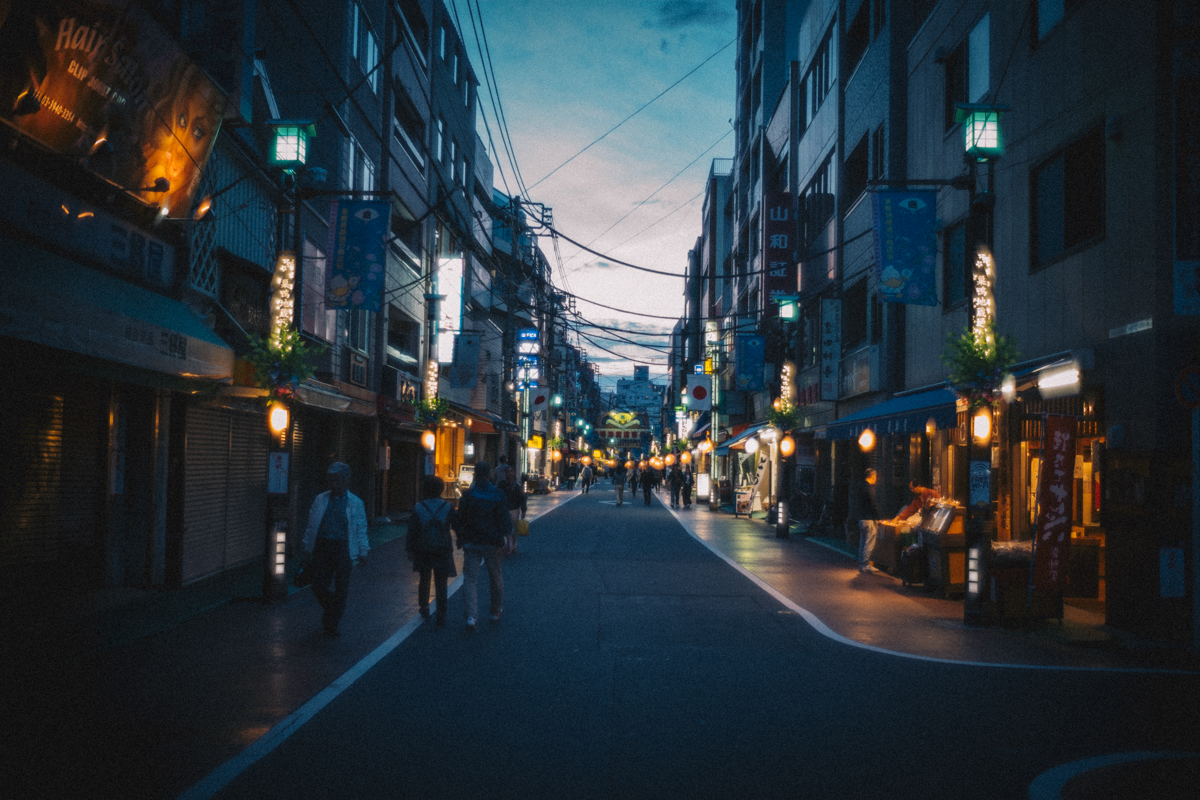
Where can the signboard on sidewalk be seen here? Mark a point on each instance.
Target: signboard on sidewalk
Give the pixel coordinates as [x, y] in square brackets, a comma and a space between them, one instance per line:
[1052, 539]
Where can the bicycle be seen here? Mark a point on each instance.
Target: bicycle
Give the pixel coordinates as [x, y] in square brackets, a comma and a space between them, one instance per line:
[812, 511]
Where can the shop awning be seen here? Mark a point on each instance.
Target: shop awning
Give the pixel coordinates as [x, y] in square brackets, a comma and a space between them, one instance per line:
[900, 415]
[738, 440]
[482, 421]
[703, 423]
[53, 301]
[326, 397]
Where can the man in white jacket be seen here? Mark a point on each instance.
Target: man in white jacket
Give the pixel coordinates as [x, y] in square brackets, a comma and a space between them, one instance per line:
[336, 538]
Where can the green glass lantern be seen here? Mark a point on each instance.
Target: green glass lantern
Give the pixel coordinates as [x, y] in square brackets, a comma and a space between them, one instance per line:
[289, 141]
[789, 307]
[982, 137]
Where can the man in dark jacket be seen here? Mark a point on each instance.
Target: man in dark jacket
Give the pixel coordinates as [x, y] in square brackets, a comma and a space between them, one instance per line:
[648, 480]
[675, 484]
[868, 516]
[483, 526]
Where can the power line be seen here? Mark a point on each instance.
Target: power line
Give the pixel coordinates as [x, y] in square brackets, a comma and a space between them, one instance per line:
[635, 113]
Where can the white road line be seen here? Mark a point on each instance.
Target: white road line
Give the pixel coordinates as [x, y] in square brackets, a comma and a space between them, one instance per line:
[828, 632]
[225, 774]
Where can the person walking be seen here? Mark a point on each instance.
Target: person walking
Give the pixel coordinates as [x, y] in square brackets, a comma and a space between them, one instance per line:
[634, 473]
[618, 481]
[430, 545]
[514, 493]
[688, 481]
[868, 516]
[336, 538]
[675, 484]
[585, 478]
[648, 481]
[484, 527]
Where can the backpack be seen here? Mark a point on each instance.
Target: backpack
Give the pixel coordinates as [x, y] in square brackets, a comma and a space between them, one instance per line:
[435, 527]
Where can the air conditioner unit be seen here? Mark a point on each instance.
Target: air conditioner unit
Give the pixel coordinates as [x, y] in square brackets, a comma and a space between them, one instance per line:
[358, 369]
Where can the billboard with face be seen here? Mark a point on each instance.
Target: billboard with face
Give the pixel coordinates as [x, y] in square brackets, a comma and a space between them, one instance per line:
[100, 80]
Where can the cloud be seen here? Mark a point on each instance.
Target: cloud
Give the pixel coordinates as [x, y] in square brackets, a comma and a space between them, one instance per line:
[684, 13]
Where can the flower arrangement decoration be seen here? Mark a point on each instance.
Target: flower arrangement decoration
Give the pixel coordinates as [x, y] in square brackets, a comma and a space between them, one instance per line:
[977, 362]
[282, 362]
[431, 411]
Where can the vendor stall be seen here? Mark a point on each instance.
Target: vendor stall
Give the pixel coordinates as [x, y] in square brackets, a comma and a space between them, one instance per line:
[944, 543]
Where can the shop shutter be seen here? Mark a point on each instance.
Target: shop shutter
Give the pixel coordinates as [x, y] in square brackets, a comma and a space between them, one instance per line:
[225, 491]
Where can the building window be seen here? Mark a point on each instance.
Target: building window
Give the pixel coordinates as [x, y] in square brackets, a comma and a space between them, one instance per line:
[453, 160]
[878, 154]
[819, 78]
[466, 93]
[878, 17]
[816, 202]
[858, 37]
[408, 127]
[413, 28]
[968, 72]
[454, 68]
[1068, 199]
[362, 169]
[442, 43]
[440, 140]
[359, 321]
[954, 265]
[854, 315]
[316, 318]
[1052, 12]
[365, 46]
[403, 339]
[856, 172]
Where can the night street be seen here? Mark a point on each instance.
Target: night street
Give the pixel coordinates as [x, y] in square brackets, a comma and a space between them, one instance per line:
[631, 661]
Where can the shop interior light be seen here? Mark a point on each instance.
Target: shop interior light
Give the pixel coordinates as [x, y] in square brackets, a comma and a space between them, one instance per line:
[866, 439]
[429, 440]
[767, 434]
[1061, 382]
[752, 445]
[787, 446]
[1008, 387]
[930, 427]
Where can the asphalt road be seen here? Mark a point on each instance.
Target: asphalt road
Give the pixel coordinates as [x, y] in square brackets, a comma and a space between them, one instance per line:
[633, 662]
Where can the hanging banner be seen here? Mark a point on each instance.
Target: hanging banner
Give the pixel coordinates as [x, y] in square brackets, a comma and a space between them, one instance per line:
[464, 369]
[103, 83]
[749, 354]
[777, 249]
[699, 392]
[831, 347]
[357, 231]
[905, 246]
[1052, 541]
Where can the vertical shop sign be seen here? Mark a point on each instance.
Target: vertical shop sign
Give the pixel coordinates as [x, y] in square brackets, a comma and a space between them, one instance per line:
[1052, 540]
[777, 249]
[750, 355]
[357, 231]
[831, 347]
[905, 246]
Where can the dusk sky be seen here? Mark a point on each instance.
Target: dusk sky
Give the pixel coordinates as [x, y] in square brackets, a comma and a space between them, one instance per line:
[569, 71]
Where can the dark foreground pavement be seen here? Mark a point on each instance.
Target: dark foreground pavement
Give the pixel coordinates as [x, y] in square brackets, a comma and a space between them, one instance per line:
[631, 662]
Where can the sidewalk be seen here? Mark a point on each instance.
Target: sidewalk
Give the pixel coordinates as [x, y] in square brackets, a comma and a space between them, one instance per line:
[820, 576]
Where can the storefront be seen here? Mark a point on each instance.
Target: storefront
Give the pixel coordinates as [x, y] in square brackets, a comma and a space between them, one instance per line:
[744, 469]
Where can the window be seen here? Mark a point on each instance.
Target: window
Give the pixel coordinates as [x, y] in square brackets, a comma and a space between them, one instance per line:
[408, 127]
[361, 172]
[442, 43]
[1052, 12]
[856, 172]
[454, 68]
[316, 318]
[403, 338]
[466, 173]
[466, 92]
[968, 72]
[413, 28]
[816, 202]
[359, 322]
[819, 78]
[453, 159]
[858, 36]
[364, 45]
[1068, 198]
[854, 315]
[440, 139]
[954, 265]
[878, 154]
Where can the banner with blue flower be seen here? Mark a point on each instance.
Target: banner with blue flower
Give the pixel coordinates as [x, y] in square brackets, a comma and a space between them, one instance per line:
[905, 246]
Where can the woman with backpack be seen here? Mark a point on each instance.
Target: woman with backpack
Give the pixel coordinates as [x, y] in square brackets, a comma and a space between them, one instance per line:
[430, 545]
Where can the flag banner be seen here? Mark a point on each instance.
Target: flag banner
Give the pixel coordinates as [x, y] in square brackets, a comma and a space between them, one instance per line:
[777, 249]
[1052, 538]
[464, 369]
[905, 246]
[699, 389]
[749, 356]
[357, 231]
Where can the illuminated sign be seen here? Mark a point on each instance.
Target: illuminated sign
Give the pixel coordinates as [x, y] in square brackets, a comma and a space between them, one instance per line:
[283, 294]
[983, 303]
[105, 84]
[431, 379]
[449, 280]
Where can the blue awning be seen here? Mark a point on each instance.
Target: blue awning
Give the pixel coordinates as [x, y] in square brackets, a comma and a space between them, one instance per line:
[56, 302]
[723, 449]
[900, 415]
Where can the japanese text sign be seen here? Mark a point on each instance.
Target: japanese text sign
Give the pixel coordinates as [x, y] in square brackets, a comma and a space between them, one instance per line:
[777, 248]
[1052, 540]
